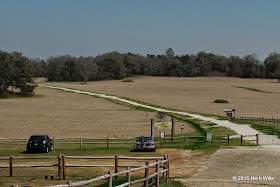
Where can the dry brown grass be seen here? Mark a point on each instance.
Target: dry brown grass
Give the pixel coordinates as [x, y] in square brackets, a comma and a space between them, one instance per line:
[62, 114]
[196, 94]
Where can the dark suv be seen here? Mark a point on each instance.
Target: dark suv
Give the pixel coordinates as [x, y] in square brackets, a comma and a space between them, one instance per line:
[39, 143]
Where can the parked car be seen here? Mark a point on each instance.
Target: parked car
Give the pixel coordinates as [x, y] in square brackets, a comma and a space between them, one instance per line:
[145, 143]
[39, 143]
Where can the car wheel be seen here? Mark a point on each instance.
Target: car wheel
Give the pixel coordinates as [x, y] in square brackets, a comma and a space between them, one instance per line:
[51, 148]
[47, 149]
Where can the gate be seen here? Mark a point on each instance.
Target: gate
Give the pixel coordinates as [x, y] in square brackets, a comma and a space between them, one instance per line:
[269, 139]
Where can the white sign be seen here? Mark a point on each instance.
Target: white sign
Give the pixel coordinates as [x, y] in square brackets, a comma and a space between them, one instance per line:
[209, 136]
[182, 126]
[162, 134]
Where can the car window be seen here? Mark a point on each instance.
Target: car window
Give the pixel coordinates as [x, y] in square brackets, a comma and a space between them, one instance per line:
[37, 138]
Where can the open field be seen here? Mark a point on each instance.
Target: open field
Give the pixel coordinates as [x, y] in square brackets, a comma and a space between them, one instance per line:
[250, 97]
[61, 114]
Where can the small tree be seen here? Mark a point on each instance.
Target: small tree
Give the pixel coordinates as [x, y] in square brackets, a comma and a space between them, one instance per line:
[160, 115]
[169, 53]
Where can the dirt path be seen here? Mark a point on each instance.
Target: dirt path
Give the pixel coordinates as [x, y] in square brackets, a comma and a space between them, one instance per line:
[239, 129]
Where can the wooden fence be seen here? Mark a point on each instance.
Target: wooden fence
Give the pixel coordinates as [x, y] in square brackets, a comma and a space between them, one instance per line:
[255, 138]
[11, 166]
[61, 165]
[126, 141]
[79, 141]
[201, 139]
[197, 139]
[109, 177]
[262, 120]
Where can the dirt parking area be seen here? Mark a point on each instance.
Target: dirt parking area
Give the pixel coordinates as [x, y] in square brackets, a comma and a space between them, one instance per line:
[239, 166]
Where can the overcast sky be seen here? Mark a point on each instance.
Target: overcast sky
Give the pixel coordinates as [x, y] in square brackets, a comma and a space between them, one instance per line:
[89, 27]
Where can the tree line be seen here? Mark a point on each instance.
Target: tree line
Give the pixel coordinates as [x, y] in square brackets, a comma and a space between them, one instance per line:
[16, 68]
[115, 65]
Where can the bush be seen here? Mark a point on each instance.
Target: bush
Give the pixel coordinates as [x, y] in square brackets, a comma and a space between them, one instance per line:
[220, 101]
[127, 80]
[161, 115]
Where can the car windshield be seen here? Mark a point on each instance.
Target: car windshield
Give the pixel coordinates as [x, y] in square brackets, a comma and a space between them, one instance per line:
[145, 139]
[37, 138]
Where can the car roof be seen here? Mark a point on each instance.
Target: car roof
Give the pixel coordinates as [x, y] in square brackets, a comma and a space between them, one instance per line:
[39, 135]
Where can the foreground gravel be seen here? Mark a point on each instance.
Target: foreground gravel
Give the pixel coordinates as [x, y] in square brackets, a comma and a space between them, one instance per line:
[239, 166]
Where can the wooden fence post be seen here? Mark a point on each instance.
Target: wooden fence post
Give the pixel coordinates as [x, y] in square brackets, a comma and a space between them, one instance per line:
[152, 128]
[69, 183]
[81, 142]
[157, 170]
[128, 176]
[146, 182]
[164, 167]
[110, 179]
[53, 142]
[59, 167]
[241, 139]
[168, 164]
[186, 140]
[116, 165]
[107, 143]
[257, 139]
[160, 140]
[173, 129]
[11, 166]
[228, 140]
[134, 143]
[63, 167]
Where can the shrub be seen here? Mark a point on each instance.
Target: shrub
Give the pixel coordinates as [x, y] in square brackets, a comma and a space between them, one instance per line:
[220, 101]
[127, 80]
[161, 115]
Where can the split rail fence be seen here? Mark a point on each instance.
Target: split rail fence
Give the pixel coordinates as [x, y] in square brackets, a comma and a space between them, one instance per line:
[164, 164]
[262, 120]
[79, 141]
[108, 142]
[202, 139]
[161, 162]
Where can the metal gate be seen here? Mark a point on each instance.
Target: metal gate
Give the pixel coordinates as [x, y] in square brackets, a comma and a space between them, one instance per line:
[269, 139]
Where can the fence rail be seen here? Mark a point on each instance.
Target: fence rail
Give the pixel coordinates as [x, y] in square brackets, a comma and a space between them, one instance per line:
[61, 164]
[110, 175]
[261, 120]
[113, 141]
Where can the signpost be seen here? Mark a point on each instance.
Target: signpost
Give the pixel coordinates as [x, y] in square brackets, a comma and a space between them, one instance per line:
[209, 137]
[162, 134]
[182, 129]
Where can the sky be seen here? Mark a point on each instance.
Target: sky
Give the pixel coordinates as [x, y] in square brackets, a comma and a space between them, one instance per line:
[40, 29]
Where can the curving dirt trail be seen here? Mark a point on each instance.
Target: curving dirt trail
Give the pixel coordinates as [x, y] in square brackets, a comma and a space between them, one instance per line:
[239, 129]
